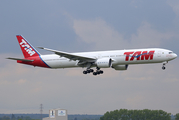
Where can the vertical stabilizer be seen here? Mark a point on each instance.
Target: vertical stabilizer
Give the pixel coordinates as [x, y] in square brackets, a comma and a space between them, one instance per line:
[27, 49]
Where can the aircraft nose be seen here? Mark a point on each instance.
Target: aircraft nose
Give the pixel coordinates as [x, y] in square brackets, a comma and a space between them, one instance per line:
[175, 55]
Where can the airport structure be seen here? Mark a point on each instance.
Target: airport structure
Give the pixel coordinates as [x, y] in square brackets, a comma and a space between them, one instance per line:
[57, 114]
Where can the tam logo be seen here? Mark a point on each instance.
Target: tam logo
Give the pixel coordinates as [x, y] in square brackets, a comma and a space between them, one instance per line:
[27, 48]
[139, 55]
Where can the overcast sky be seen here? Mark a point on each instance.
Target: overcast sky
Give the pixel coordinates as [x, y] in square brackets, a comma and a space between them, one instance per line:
[88, 25]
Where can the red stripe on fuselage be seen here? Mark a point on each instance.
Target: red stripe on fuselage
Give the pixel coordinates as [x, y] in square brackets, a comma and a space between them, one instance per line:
[37, 62]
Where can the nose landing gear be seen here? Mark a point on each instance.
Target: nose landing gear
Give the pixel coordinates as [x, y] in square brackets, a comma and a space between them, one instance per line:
[163, 67]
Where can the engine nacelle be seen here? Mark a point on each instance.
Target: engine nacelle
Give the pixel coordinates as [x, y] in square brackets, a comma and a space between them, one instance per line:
[120, 67]
[103, 62]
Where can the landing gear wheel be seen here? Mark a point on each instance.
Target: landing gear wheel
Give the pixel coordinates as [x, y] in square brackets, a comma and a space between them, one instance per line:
[97, 68]
[98, 72]
[101, 72]
[84, 72]
[88, 71]
[94, 73]
[91, 70]
[163, 68]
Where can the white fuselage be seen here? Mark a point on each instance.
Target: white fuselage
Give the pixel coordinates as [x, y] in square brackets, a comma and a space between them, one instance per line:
[119, 57]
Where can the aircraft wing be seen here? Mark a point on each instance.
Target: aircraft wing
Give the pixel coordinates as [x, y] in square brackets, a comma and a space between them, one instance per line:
[82, 59]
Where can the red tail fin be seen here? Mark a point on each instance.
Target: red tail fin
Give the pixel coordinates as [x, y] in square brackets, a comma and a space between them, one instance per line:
[27, 49]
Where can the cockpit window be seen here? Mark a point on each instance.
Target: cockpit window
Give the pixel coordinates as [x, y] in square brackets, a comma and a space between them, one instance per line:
[170, 52]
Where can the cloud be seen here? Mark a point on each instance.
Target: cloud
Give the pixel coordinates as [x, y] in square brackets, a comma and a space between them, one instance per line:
[175, 6]
[148, 37]
[99, 33]
[22, 81]
[135, 101]
[104, 37]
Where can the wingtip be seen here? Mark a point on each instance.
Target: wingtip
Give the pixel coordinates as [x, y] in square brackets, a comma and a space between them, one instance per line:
[40, 47]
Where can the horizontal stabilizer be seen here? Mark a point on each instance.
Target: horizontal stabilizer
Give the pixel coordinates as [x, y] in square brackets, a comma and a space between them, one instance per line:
[25, 60]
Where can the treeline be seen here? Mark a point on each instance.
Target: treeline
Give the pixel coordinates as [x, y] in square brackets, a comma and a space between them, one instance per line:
[146, 114]
[14, 118]
[38, 117]
[84, 117]
[122, 114]
[23, 116]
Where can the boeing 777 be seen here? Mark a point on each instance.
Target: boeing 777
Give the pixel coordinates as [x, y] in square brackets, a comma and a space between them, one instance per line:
[116, 59]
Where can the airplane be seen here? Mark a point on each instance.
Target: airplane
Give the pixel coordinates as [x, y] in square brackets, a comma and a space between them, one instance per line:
[116, 59]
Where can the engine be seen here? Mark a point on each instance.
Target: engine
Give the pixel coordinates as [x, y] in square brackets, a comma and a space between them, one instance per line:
[103, 62]
[120, 67]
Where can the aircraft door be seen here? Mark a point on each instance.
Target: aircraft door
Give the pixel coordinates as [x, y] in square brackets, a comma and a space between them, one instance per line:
[99, 56]
[159, 53]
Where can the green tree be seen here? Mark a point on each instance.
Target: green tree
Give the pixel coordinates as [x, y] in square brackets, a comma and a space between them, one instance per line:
[124, 114]
[177, 116]
[5, 118]
[27, 118]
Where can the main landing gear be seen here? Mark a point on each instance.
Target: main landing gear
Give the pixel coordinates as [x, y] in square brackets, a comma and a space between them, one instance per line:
[98, 71]
[88, 71]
